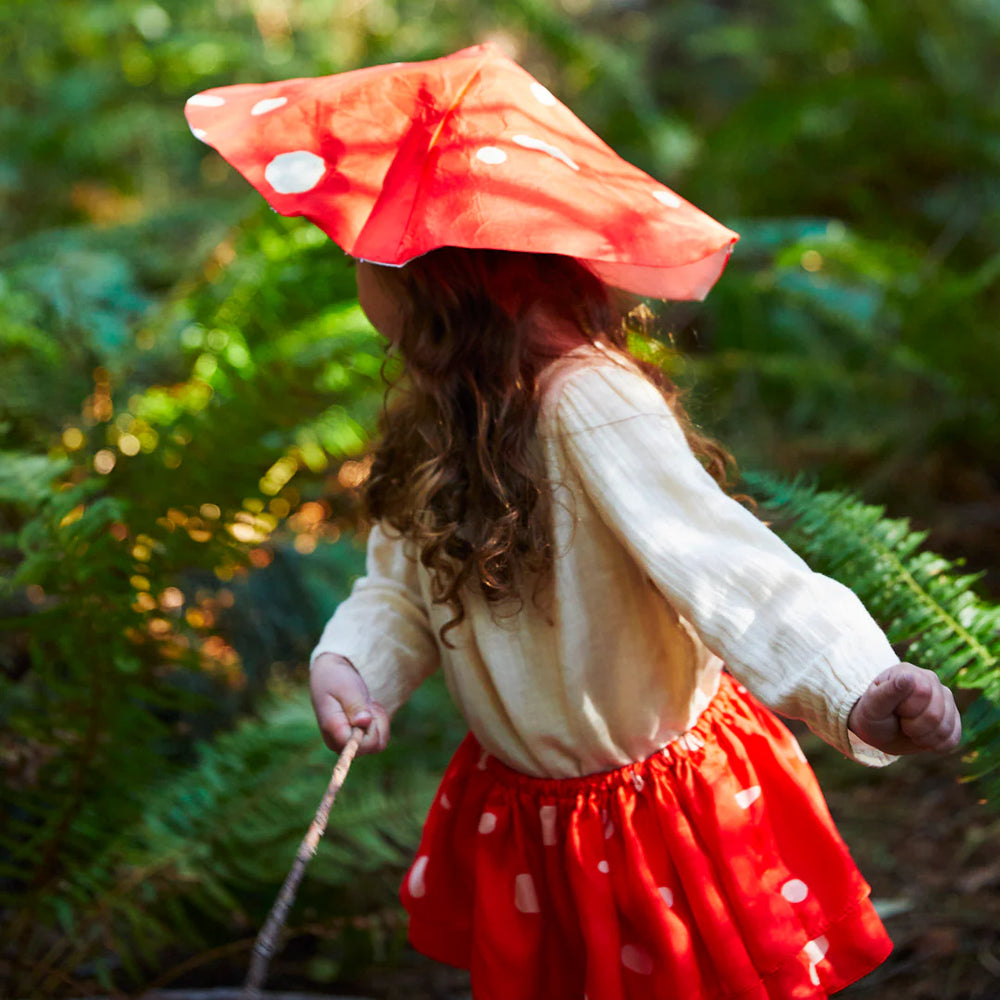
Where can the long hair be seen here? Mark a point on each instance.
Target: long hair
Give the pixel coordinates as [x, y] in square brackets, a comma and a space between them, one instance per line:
[457, 469]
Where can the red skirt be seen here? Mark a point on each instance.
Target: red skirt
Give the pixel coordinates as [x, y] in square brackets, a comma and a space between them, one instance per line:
[712, 870]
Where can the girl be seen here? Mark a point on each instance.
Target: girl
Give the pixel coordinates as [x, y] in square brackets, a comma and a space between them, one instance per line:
[626, 819]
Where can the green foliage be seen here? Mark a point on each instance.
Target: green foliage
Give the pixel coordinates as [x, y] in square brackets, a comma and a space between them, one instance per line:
[928, 609]
[825, 358]
[130, 620]
[204, 856]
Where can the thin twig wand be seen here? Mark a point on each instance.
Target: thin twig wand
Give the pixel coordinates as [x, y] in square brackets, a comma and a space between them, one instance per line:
[264, 946]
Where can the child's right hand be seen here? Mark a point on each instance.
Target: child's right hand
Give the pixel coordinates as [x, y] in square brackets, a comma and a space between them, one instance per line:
[907, 709]
[341, 700]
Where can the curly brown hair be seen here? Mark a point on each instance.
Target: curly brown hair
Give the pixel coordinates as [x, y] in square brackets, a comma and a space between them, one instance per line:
[457, 469]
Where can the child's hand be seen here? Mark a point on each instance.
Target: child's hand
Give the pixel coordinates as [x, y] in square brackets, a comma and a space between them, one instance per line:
[906, 710]
[341, 700]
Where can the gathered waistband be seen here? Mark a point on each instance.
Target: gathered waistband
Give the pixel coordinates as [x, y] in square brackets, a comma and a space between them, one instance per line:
[729, 704]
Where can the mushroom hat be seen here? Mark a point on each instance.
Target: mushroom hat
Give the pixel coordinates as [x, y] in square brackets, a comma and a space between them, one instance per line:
[467, 150]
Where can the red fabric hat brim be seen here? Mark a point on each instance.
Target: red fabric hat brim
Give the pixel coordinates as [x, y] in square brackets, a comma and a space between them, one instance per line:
[468, 150]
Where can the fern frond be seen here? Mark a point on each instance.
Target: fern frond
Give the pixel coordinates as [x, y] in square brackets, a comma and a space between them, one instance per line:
[926, 605]
[215, 841]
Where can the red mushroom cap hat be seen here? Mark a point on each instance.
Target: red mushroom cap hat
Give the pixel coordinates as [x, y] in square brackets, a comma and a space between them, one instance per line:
[468, 150]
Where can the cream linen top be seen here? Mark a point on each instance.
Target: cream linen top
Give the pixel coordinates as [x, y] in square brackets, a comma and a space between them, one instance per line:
[659, 579]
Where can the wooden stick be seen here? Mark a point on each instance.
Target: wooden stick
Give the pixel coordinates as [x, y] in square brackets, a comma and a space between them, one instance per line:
[265, 945]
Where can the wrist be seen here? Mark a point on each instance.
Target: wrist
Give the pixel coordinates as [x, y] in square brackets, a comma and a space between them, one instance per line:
[331, 661]
[862, 743]
[852, 724]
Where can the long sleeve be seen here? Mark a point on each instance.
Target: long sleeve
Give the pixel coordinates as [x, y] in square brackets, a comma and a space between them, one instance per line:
[383, 626]
[803, 643]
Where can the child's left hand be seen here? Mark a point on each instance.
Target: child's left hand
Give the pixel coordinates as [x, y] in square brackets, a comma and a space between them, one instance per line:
[907, 709]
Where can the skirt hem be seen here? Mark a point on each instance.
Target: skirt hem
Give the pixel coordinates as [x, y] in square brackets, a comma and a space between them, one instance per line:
[452, 945]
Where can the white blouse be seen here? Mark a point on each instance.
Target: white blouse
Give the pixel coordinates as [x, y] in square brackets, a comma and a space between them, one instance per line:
[659, 579]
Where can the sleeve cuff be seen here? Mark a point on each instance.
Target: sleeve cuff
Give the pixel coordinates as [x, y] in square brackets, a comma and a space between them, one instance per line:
[854, 661]
[853, 746]
[868, 755]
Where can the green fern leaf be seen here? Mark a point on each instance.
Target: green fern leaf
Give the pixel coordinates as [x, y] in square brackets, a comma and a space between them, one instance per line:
[929, 611]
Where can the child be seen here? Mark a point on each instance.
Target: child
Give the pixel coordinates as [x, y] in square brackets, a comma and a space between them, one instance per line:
[625, 820]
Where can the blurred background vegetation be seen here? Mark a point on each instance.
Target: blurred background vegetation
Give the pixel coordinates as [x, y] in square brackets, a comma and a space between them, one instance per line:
[187, 393]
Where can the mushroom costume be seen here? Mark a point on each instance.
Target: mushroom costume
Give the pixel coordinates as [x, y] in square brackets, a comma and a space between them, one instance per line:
[468, 150]
[626, 820]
